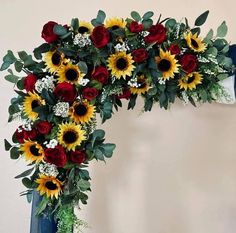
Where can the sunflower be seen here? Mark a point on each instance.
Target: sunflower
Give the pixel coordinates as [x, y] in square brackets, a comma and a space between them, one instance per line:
[70, 135]
[167, 64]
[143, 86]
[115, 23]
[30, 102]
[190, 81]
[49, 185]
[85, 27]
[82, 112]
[70, 73]
[121, 64]
[53, 60]
[33, 151]
[195, 43]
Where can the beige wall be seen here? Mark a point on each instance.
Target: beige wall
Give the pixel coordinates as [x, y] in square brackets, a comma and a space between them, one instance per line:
[173, 171]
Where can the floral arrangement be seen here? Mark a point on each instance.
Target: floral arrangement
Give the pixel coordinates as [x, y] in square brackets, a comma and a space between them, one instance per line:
[87, 68]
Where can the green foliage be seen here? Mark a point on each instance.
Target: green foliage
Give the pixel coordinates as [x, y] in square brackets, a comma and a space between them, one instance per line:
[7, 145]
[25, 173]
[59, 30]
[136, 16]
[43, 48]
[222, 30]
[213, 64]
[8, 59]
[14, 153]
[202, 19]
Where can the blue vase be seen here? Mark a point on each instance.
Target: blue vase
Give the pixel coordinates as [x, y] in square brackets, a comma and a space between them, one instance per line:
[41, 224]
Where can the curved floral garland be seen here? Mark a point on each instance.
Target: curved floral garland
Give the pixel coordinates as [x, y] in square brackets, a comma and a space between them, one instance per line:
[86, 68]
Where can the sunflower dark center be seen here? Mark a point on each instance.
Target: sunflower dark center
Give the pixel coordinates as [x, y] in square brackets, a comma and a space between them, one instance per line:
[71, 75]
[191, 79]
[34, 150]
[56, 59]
[83, 29]
[50, 185]
[121, 63]
[115, 27]
[141, 84]
[35, 104]
[194, 43]
[70, 137]
[80, 110]
[164, 65]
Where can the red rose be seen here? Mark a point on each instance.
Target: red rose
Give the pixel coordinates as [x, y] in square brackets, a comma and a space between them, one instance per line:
[135, 27]
[174, 49]
[65, 91]
[125, 95]
[157, 33]
[90, 93]
[77, 156]
[100, 74]
[55, 156]
[140, 55]
[47, 34]
[21, 135]
[189, 63]
[29, 82]
[44, 127]
[100, 36]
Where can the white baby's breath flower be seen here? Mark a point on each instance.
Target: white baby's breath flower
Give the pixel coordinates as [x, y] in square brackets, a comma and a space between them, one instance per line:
[162, 81]
[61, 109]
[121, 47]
[48, 169]
[82, 40]
[52, 143]
[27, 125]
[45, 83]
[83, 81]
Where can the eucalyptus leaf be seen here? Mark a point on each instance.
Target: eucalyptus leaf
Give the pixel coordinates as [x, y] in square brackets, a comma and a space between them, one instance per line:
[12, 78]
[99, 154]
[101, 16]
[75, 24]
[83, 67]
[18, 66]
[84, 185]
[59, 30]
[148, 15]
[222, 30]
[170, 23]
[14, 153]
[202, 18]
[7, 145]
[108, 149]
[136, 16]
[25, 173]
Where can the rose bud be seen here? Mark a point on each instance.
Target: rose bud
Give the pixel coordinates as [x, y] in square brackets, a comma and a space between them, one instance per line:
[47, 33]
[135, 27]
[189, 63]
[44, 127]
[157, 33]
[100, 36]
[56, 156]
[125, 95]
[174, 49]
[66, 92]
[100, 74]
[29, 82]
[140, 55]
[77, 156]
[90, 93]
